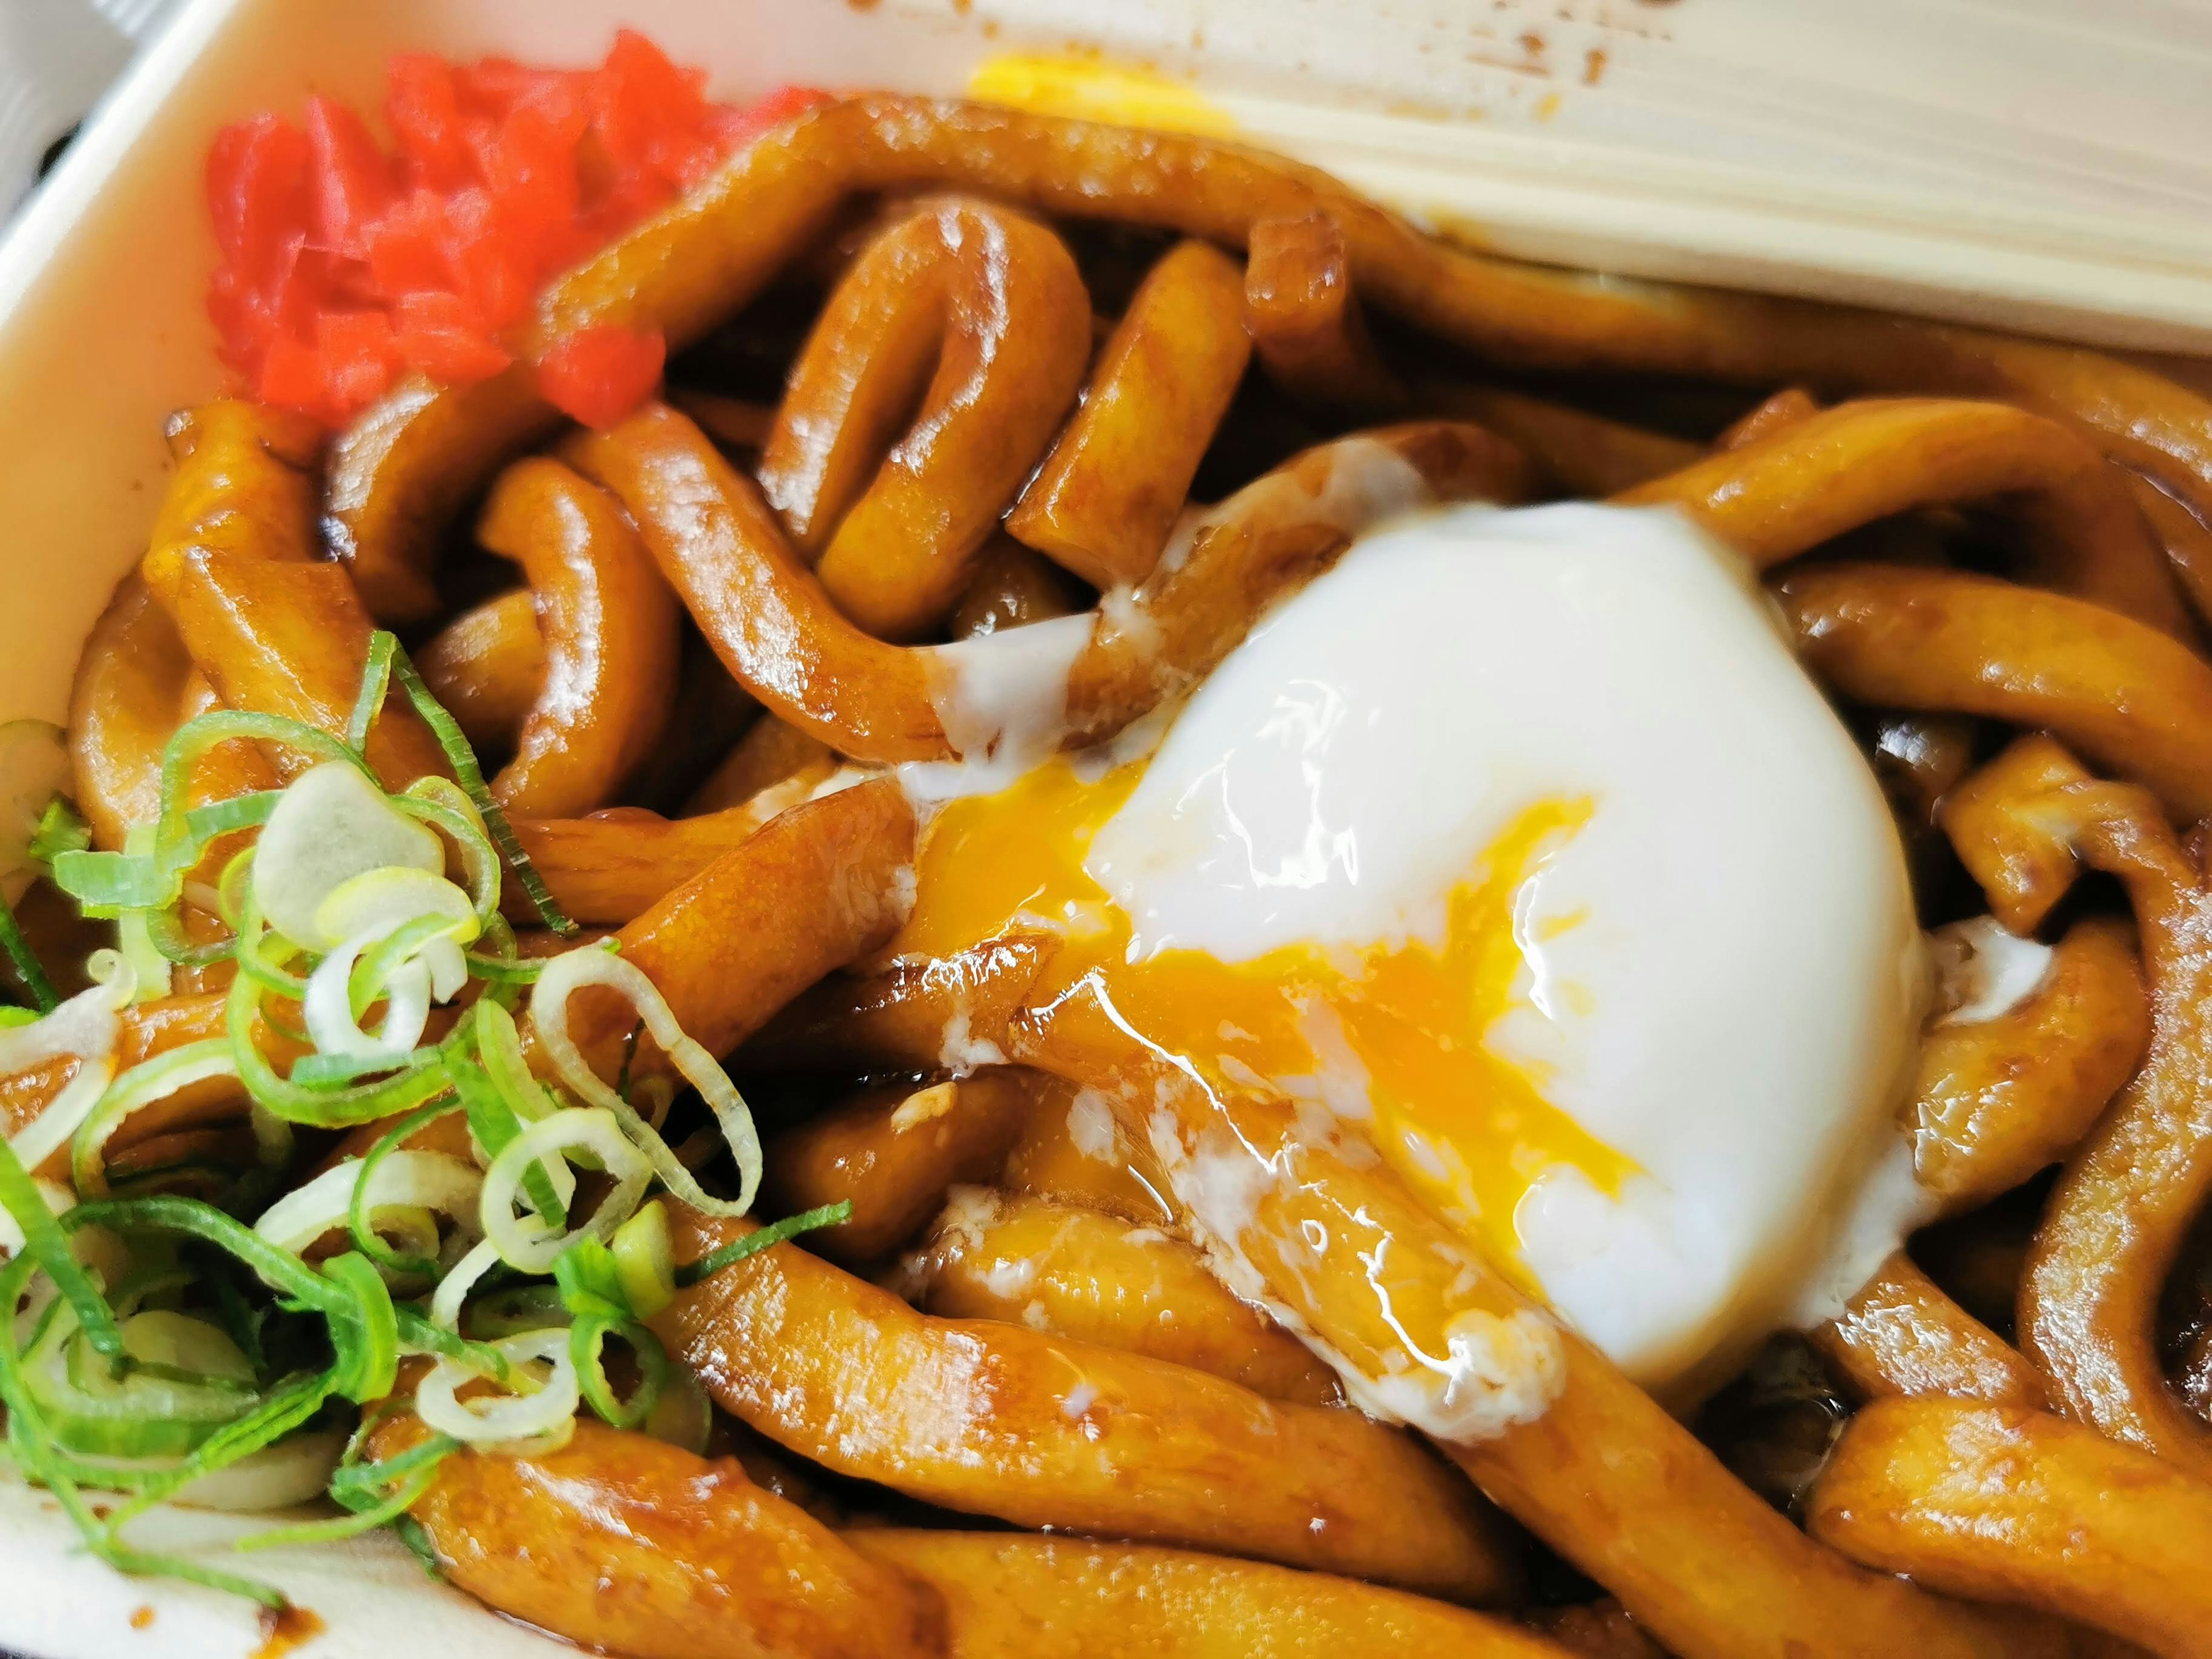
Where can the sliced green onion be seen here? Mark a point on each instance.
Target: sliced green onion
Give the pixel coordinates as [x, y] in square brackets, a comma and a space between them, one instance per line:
[375, 680]
[500, 1041]
[418, 1335]
[61, 829]
[86, 1028]
[440, 803]
[332, 825]
[645, 1260]
[165, 930]
[106, 884]
[156, 1408]
[288, 1408]
[149, 965]
[591, 1290]
[333, 1071]
[355, 1191]
[28, 969]
[548, 1016]
[453, 1289]
[463, 760]
[548, 1185]
[776, 1232]
[46, 1244]
[367, 1333]
[530, 1244]
[322, 1107]
[587, 1338]
[357, 1211]
[548, 1409]
[144, 1085]
[535, 1307]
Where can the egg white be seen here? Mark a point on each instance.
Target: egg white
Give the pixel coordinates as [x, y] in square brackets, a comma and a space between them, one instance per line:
[1721, 971]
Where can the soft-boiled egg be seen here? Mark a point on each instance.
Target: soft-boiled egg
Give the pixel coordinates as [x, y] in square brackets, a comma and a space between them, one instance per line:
[1519, 842]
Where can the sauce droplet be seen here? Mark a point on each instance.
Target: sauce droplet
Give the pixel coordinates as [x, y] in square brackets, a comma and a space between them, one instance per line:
[283, 1629]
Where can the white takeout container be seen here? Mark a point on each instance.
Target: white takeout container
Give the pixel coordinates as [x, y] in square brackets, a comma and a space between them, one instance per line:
[2040, 179]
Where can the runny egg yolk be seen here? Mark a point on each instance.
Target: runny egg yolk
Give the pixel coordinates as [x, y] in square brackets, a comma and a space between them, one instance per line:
[1389, 1036]
[1518, 850]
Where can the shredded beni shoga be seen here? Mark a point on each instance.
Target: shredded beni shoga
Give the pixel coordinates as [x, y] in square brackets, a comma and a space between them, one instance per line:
[167, 1345]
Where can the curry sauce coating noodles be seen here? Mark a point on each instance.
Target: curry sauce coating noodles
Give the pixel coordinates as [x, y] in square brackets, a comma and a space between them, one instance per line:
[1805, 481]
[619, 1541]
[2005, 1503]
[408, 464]
[608, 627]
[1103, 503]
[1077, 1271]
[776, 630]
[893, 1151]
[488, 667]
[979, 315]
[1047, 1431]
[1067, 1369]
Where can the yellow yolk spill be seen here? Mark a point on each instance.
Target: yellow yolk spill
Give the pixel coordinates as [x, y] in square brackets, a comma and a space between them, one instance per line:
[1398, 1027]
[1087, 90]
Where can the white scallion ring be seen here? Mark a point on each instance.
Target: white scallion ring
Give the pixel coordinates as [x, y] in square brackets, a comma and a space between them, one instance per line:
[567, 973]
[504, 1419]
[404, 1180]
[524, 1242]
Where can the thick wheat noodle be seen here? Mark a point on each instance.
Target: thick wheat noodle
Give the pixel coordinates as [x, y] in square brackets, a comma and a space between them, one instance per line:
[1585, 455]
[1105, 501]
[815, 888]
[612, 866]
[1785, 407]
[897, 1017]
[1007, 1597]
[1601, 1473]
[1902, 1335]
[772, 752]
[967, 324]
[244, 483]
[291, 638]
[2130, 699]
[2120, 1212]
[1994, 1101]
[1604, 1475]
[408, 464]
[623, 1544]
[893, 1152]
[2187, 542]
[134, 684]
[149, 1029]
[2005, 1502]
[1810, 479]
[1085, 1273]
[1993, 820]
[1062, 1156]
[1303, 315]
[1047, 1431]
[776, 631]
[1012, 586]
[608, 623]
[488, 667]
